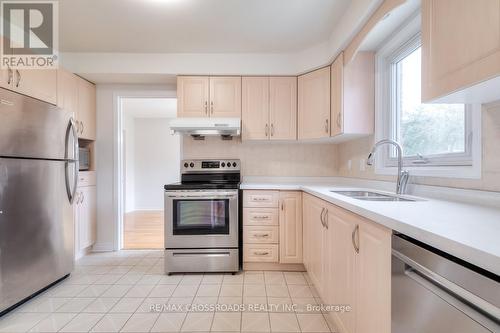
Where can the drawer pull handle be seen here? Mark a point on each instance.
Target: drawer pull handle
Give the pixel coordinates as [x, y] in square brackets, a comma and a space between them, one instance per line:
[261, 217]
[260, 199]
[261, 253]
[261, 235]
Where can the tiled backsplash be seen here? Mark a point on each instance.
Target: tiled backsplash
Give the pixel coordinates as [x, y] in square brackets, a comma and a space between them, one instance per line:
[327, 159]
[267, 158]
[490, 180]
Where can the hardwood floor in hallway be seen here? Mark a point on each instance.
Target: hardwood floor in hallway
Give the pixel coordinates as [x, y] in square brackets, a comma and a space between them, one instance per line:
[143, 230]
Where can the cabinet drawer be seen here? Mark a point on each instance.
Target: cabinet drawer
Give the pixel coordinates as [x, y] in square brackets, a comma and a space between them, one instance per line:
[260, 216]
[260, 234]
[253, 198]
[260, 252]
[86, 178]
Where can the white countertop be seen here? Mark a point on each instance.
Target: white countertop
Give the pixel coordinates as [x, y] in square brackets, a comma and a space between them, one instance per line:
[468, 231]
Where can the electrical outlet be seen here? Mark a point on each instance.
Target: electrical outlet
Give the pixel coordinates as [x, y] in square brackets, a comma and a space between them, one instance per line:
[362, 164]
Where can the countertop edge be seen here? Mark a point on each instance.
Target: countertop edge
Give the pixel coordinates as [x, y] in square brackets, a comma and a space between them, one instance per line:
[485, 260]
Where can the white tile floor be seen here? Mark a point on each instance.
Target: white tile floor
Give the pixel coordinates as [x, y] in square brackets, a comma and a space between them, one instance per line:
[127, 291]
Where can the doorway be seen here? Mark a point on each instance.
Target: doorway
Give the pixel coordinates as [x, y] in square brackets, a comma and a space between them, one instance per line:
[150, 159]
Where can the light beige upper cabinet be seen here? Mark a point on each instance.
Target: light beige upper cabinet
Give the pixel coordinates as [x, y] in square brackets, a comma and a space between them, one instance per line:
[269, 108]
[37, 83]
[225, 96]
[460, 49]
[255, 108]
[353, 95]
[290, 225]
[67, 91]
[192, 96]
[86, 114]
[283, 108]
[204, 96]
[314, 104]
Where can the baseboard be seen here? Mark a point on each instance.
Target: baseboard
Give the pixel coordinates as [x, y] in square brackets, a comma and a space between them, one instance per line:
[103, 247]
[271, 266]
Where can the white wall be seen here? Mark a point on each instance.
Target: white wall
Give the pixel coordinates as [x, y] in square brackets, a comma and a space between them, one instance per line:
[129, 158]
[157, 161]
[107, 139]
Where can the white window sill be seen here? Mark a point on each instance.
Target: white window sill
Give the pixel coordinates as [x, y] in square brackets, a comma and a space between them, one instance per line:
[465, 172]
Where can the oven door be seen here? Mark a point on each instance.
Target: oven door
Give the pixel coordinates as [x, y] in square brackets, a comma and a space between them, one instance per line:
[201, 219]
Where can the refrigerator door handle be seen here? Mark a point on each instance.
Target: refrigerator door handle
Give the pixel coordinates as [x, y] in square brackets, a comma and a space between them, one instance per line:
[71, 190]
[71, 131]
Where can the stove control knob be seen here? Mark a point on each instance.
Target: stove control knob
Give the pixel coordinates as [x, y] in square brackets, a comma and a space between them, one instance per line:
[229, 164]
[223, 164]
[234, 164]
[186, 165]
[191, 165]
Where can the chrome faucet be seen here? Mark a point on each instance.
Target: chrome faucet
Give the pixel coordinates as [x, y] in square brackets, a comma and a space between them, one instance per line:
[403, 175]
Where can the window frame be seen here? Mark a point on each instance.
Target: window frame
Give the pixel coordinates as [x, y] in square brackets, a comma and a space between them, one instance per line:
[455, 165]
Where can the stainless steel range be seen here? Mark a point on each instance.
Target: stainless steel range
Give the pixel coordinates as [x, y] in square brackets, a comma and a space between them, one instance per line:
[202, 218]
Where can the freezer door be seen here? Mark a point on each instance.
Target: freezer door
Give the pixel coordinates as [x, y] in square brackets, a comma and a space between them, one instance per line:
[36, 227]
[31, 128]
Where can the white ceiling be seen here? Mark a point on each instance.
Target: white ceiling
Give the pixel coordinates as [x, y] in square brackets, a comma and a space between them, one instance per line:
[196, 26]
[150, 107]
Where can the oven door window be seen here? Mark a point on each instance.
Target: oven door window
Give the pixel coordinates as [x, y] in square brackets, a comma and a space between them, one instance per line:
[201, 217]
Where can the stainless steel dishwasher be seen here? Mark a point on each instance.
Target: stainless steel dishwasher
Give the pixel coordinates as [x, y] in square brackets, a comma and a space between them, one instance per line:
[433, 292]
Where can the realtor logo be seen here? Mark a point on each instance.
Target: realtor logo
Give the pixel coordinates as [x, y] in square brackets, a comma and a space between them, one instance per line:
[29, 34]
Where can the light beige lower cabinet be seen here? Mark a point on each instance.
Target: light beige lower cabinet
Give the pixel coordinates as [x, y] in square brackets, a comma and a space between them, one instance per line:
[348, 259]
[290, 221]
[315, 240]
[272, 227]
[85, 210]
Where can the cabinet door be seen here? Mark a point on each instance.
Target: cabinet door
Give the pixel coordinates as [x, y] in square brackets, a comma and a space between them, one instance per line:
[341, 262]
[460, 45]
[37, 83]
[87, 217]
[192, 96]
[314, 104]
[337, 95]
[6, 78]
[306, 227]
[225, 96]
[255, 108]
[283, 108]
[290, 222]
[67, 91]
[316, 240]
[373, 279]
[87, 109]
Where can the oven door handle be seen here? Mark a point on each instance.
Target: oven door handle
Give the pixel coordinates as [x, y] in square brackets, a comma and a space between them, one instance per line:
[206, 195]
[204, 254]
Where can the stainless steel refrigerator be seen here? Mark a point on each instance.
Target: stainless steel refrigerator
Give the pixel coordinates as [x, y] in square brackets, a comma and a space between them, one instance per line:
[38, 179]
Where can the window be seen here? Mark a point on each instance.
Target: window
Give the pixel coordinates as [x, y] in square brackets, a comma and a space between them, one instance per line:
[437, 139]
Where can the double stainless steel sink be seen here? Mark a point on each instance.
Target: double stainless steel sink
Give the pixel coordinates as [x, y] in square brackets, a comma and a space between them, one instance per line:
[371, 196]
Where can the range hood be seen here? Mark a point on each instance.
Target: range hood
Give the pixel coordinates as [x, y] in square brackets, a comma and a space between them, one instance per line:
[201, 127]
